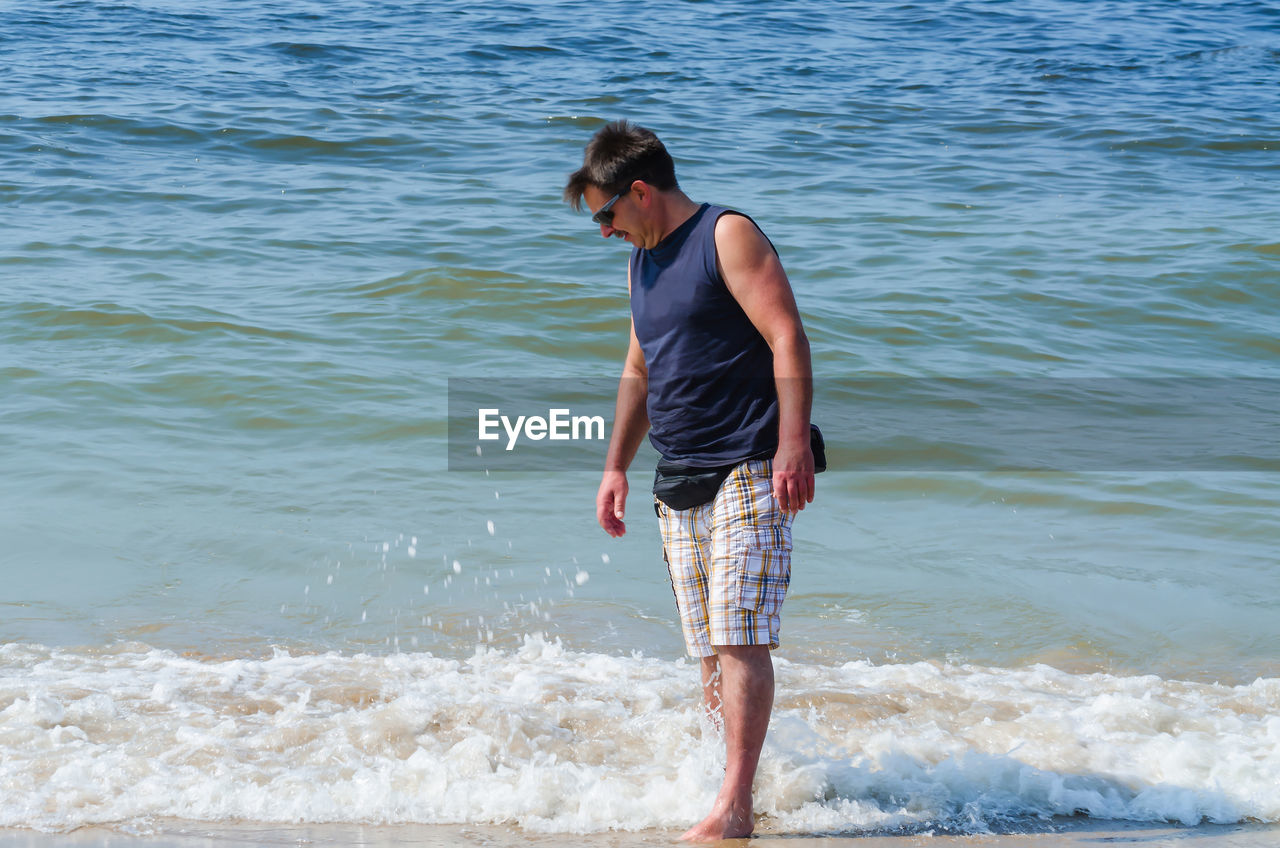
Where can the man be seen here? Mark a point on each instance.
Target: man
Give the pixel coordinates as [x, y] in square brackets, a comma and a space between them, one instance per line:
[718, 373]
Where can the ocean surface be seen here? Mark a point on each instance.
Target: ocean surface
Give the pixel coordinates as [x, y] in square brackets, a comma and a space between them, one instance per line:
[245, 246]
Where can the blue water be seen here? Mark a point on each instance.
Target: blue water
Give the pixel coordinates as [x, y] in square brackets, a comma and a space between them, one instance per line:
[244, 248]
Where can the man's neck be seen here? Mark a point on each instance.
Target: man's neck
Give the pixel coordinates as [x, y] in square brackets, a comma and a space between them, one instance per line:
[673, 209]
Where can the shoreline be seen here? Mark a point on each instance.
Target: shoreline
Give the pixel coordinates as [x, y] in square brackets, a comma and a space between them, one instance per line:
[1058, 833]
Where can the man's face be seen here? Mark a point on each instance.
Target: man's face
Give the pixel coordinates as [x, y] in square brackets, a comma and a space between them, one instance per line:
[624, 214]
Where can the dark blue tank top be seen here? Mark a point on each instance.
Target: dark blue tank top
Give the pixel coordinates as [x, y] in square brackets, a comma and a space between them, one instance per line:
[712, 398]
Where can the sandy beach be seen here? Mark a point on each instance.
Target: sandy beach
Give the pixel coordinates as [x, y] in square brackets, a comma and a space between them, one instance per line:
[1057, 834]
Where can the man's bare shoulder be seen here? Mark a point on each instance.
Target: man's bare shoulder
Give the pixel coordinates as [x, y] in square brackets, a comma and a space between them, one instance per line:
[735, 231]
[744, 255]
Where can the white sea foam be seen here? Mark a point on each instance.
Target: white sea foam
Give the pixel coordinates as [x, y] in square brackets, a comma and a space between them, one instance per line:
[554, 740]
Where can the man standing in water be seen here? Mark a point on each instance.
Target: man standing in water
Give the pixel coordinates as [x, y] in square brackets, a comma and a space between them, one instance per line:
[718, 373]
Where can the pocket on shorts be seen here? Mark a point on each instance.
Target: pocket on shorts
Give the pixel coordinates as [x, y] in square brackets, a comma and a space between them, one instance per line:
[763, 559]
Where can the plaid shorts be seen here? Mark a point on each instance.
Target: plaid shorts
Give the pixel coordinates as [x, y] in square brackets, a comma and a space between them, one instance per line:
[730, 562]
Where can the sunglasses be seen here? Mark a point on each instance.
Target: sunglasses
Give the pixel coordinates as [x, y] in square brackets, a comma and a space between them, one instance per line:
[604, 215]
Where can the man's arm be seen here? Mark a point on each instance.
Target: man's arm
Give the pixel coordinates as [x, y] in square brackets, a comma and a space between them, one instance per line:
[630, 423]
[753, 273]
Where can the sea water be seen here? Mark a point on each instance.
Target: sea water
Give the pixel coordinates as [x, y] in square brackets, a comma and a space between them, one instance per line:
[246, 247]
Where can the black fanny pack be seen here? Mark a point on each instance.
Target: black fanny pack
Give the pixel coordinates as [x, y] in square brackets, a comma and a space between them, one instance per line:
[685, 486]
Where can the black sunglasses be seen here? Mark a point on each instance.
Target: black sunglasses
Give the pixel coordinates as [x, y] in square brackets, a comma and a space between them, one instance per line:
[604, 215]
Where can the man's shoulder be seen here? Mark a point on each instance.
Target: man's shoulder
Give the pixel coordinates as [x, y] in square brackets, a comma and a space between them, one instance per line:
[738, 231]
[732, 218]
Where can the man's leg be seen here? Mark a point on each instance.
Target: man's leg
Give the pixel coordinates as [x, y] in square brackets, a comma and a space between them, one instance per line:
[711, 691]
[746, 700]
[748, 576]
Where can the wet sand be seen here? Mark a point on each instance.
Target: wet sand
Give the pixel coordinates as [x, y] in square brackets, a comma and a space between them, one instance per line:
[1059, 834]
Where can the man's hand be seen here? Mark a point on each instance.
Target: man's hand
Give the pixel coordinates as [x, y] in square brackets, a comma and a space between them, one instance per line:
[611, 501]
[793, 483]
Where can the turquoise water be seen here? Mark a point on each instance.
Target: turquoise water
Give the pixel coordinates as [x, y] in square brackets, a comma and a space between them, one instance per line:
[245, 248]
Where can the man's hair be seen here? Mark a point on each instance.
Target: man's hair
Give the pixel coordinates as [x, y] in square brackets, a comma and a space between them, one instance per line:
[617, 155]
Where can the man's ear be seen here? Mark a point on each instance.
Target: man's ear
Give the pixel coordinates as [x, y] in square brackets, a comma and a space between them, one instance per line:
[643, 192]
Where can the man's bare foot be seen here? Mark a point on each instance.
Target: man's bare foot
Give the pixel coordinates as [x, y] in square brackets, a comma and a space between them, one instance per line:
[728, 821]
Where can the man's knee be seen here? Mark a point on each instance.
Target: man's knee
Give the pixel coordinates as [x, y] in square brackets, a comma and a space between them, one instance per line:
[742, 653]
